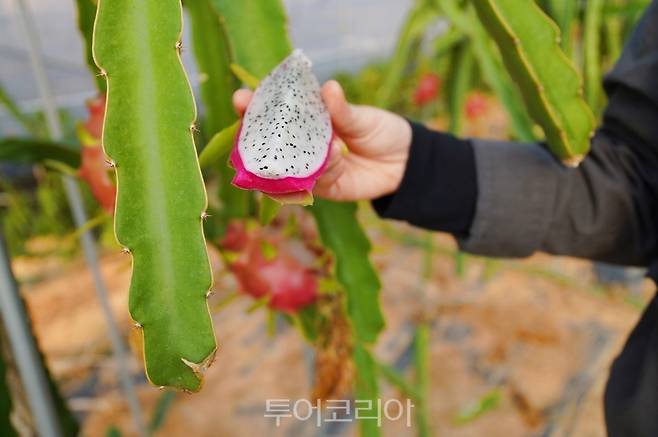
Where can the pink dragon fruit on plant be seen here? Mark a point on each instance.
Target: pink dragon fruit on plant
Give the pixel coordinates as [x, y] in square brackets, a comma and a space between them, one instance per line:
[281, 274]
[285, 137]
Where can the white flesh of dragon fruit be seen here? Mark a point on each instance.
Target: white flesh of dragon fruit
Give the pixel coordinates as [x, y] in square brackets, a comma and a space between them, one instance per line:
[286, 132]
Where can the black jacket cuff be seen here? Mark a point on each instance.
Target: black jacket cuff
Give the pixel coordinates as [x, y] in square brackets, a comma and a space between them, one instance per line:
[439, 187]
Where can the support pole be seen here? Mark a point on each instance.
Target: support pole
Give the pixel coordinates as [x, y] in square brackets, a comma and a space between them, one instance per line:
[26, 355]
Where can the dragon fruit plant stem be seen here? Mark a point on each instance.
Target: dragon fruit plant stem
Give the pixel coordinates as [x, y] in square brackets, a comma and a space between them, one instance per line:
[529, 42]
[217, 84]
[260, 41]
[212, 53]
[493, 72]
[462, 65]
[592, 53]
[161, 198]
[421, 16]
[258, 33]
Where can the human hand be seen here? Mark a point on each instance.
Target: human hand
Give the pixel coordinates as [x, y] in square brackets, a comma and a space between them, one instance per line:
[378, 142]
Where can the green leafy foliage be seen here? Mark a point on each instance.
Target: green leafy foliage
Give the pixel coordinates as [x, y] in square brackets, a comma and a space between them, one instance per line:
[627, 8]
[306, 320]
[113, 431]
[529, 43]
[592, 46]
[485, 404]
[29, 124]
[421, 362]
[341, 233]
[613, 26]
[447, 42]
[35, 151]
[396, 379]
[491, 67]
[161, 410]
[32, 214]
[421, 16]
[161, 196]
[459, 85]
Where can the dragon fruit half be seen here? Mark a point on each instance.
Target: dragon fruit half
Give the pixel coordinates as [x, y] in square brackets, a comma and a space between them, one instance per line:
[284, 141]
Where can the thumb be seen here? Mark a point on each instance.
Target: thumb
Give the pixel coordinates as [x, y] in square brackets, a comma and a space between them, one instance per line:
[344, 116]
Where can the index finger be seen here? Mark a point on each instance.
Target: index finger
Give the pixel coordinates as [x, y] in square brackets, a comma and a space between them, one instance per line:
[241, 99]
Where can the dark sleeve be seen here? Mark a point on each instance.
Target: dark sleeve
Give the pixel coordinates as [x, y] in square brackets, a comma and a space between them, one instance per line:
[438, 190]
[606, 209]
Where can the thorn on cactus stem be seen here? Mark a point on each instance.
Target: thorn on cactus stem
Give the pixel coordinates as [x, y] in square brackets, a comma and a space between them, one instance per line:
[125, 250]
[137, 325]
[194, 128]
[204, 216]
[179, 46]
[102, 73]
[162, 388]
[210, 293]
[110, 163]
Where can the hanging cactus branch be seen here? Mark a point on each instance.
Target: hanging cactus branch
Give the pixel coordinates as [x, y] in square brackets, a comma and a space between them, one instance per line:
[161, 197]
[529, 42]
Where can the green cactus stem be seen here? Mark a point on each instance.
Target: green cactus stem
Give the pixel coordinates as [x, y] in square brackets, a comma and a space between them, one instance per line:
[161, 199]
[529, 42]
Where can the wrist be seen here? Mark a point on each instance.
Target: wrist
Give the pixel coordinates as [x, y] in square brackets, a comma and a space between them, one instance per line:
[438, 188]
[397, 164]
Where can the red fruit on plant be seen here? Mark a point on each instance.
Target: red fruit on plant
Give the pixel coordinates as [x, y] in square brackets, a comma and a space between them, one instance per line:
[93, 165]
[476, 105]
[428, 89]
[93, 170]
[236, 237]
[94, 124]
[293, 286]
[289, 284]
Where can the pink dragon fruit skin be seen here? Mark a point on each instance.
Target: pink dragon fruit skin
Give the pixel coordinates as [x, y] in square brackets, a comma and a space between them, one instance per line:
[250, 181]
[285, 136]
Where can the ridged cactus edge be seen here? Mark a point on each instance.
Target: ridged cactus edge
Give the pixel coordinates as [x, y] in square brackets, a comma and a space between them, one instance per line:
[161, 198]
[529, 42]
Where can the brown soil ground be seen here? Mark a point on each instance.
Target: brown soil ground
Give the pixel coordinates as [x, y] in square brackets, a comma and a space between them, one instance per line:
[539, 331]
